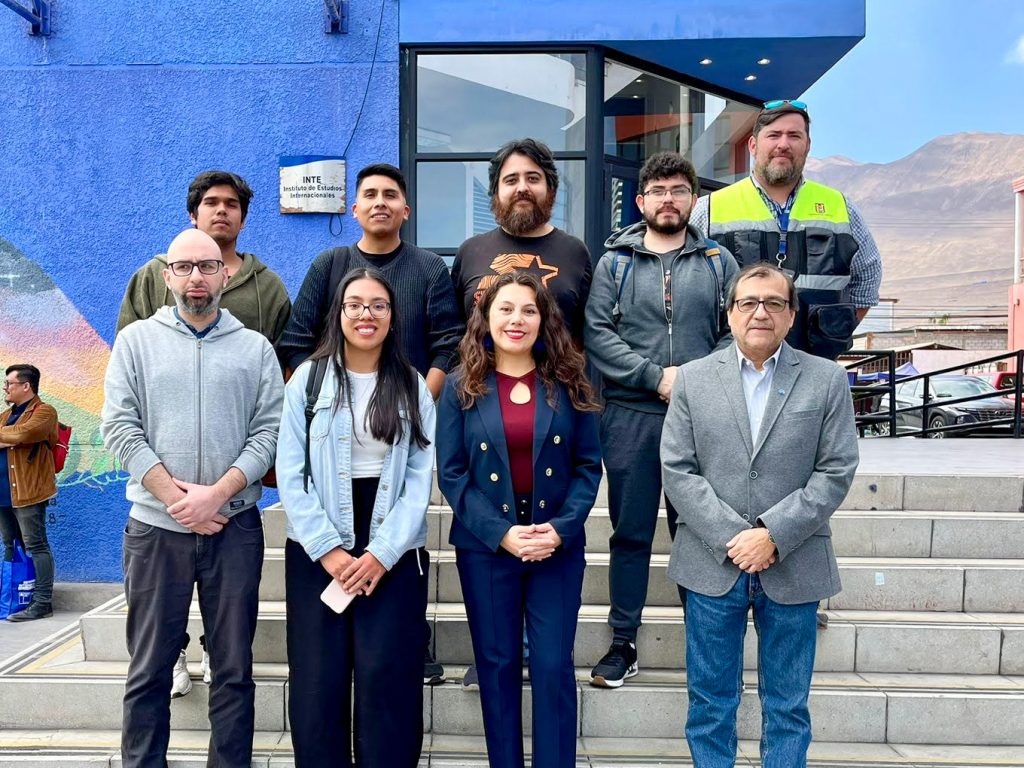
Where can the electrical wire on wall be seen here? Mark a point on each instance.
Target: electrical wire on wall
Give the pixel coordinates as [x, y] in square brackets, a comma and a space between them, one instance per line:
[359, 114]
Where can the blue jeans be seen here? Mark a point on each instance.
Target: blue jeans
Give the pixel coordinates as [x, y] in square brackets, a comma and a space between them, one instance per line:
[715, 627]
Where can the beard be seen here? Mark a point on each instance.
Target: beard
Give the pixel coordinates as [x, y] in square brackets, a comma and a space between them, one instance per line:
[667, 228]
[781, 175]
[207, 305]
[519, 221]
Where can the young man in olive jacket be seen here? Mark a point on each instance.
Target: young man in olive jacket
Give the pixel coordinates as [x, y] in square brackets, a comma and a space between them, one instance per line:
[218, 202]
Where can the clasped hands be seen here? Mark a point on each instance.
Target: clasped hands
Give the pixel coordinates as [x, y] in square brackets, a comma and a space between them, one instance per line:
[531, 543]
[358, 575]
[751, 550]
[198, 508]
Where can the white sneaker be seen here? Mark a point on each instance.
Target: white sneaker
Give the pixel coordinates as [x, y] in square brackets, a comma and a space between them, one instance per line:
[182, 683]
[207, 678]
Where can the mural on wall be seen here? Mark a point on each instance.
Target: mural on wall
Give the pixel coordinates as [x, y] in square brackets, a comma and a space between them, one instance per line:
[41, 326]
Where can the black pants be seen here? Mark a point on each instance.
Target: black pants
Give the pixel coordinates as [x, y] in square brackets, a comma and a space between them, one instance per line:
[31, 521]
[631, 443]
[160, 569]
[377, 643]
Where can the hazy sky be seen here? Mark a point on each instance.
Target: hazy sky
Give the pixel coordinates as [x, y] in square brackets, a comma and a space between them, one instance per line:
[925, 68]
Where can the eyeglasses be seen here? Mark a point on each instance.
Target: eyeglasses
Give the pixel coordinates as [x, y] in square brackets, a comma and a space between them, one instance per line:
[774, 306]
[676, 193]
[354, 309]
[8, 384]
[783, 102]
[206, 267]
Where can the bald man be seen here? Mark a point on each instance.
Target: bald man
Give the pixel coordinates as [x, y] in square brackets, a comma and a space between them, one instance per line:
[192, 403]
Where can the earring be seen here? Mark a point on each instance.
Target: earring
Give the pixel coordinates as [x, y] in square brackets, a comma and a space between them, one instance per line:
[539, 347]
[488, 342]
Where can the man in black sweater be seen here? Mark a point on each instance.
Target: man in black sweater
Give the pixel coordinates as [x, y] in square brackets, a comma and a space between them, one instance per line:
[431, 322]
[432, 325]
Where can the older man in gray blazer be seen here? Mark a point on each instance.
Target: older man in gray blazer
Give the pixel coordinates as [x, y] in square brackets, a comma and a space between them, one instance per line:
[759, 449]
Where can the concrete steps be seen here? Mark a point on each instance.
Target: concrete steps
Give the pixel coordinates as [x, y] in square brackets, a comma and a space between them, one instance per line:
[845, 706]
[922, 663]
[855, 641]
[71, 748]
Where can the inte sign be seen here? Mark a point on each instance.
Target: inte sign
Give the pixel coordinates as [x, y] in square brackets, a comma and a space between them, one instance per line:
[312, 184]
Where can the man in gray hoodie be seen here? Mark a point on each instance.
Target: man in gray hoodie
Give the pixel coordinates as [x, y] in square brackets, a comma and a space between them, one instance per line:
[191, 410]
[656, 302]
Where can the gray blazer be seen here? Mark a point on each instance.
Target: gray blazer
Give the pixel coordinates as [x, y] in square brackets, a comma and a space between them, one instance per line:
[792, 479]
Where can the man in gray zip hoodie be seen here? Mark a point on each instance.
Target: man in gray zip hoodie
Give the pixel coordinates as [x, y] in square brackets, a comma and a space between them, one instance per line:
[191, 410]
[656, 302]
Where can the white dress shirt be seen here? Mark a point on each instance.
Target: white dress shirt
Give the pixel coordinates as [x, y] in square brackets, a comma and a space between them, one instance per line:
[757, 386]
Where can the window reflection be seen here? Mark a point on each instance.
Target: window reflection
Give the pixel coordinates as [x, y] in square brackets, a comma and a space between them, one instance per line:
[645, 113]
[452, 203]
[477, 102]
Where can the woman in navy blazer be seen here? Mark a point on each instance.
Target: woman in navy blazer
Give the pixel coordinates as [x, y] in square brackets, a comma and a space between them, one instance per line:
[519, 460]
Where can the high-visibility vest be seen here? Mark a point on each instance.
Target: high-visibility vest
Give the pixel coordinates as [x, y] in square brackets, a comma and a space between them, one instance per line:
[819, 251]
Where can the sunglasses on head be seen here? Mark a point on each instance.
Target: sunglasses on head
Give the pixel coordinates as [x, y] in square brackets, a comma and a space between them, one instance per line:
[783, 102]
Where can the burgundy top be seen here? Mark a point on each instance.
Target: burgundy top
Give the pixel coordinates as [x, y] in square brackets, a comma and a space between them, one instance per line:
[518, 422]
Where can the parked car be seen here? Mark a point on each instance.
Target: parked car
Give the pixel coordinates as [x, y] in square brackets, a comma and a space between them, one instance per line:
[947, 387]
[998, 379]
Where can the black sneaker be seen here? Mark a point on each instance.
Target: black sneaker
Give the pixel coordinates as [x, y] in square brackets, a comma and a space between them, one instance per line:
[433, 673]
[470, 680]
[33, 612]
[615, 666]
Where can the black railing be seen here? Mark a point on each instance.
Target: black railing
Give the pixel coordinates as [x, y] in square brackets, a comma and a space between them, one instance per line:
[875, 417]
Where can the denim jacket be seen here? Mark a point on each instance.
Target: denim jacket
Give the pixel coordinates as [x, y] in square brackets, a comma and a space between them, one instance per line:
[322, 519]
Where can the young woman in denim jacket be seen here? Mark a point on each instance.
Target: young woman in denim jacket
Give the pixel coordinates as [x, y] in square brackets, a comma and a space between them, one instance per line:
[519, 460]
[361, 522]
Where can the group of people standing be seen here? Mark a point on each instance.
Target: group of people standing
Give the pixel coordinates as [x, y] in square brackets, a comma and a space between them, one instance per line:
[392, 364]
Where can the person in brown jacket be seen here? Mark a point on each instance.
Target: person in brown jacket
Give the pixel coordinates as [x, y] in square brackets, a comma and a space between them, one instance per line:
[29, 483]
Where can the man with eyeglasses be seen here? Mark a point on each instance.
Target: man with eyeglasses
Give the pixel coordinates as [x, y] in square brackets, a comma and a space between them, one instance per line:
[28, 432]
[759, 449]
[191, 411]
[810, 230]
[217, 203]
[656, 302]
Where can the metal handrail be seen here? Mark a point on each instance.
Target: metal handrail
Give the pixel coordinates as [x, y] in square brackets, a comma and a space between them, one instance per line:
[928, 403]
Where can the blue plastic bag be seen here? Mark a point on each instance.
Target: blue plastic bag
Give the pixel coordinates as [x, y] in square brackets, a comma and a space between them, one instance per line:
[17, 581]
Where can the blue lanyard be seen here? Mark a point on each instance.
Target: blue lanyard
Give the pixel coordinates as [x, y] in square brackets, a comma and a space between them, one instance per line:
[781, 214]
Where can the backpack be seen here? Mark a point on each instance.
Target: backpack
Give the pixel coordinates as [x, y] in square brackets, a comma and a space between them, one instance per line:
[622, 262]
[314, 384]
[59, 450]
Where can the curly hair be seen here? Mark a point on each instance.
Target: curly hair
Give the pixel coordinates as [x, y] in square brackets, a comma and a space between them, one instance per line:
[557, 358]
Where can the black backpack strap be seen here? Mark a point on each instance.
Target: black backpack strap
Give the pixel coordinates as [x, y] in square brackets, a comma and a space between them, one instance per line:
[314, 383]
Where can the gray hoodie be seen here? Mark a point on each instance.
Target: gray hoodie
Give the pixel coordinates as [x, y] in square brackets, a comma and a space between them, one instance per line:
[199, 406]
[632, 352]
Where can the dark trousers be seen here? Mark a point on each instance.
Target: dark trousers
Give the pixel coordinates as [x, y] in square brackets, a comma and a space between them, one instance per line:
[31, 521]
[160, 569]
[500, 591]
[631, 442]
[375, 645]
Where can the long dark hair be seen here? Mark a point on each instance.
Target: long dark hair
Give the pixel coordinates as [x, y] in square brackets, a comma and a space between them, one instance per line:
[556, 356]
[397, 386]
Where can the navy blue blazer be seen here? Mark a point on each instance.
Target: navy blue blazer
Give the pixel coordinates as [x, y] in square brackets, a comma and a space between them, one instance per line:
[475, 477]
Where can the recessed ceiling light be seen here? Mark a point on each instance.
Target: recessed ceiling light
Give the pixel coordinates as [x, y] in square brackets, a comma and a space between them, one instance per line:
[638, 80]
[705, 62]
[636, 95]
[764, 62]
[749, 78]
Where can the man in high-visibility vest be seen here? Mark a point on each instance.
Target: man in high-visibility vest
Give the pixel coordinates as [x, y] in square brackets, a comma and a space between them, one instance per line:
[807, 229]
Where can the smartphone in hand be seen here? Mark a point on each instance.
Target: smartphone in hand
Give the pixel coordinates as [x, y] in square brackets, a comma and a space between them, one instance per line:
[336, 598]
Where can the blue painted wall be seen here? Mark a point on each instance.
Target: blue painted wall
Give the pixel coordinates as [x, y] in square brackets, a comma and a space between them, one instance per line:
[103, 126]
